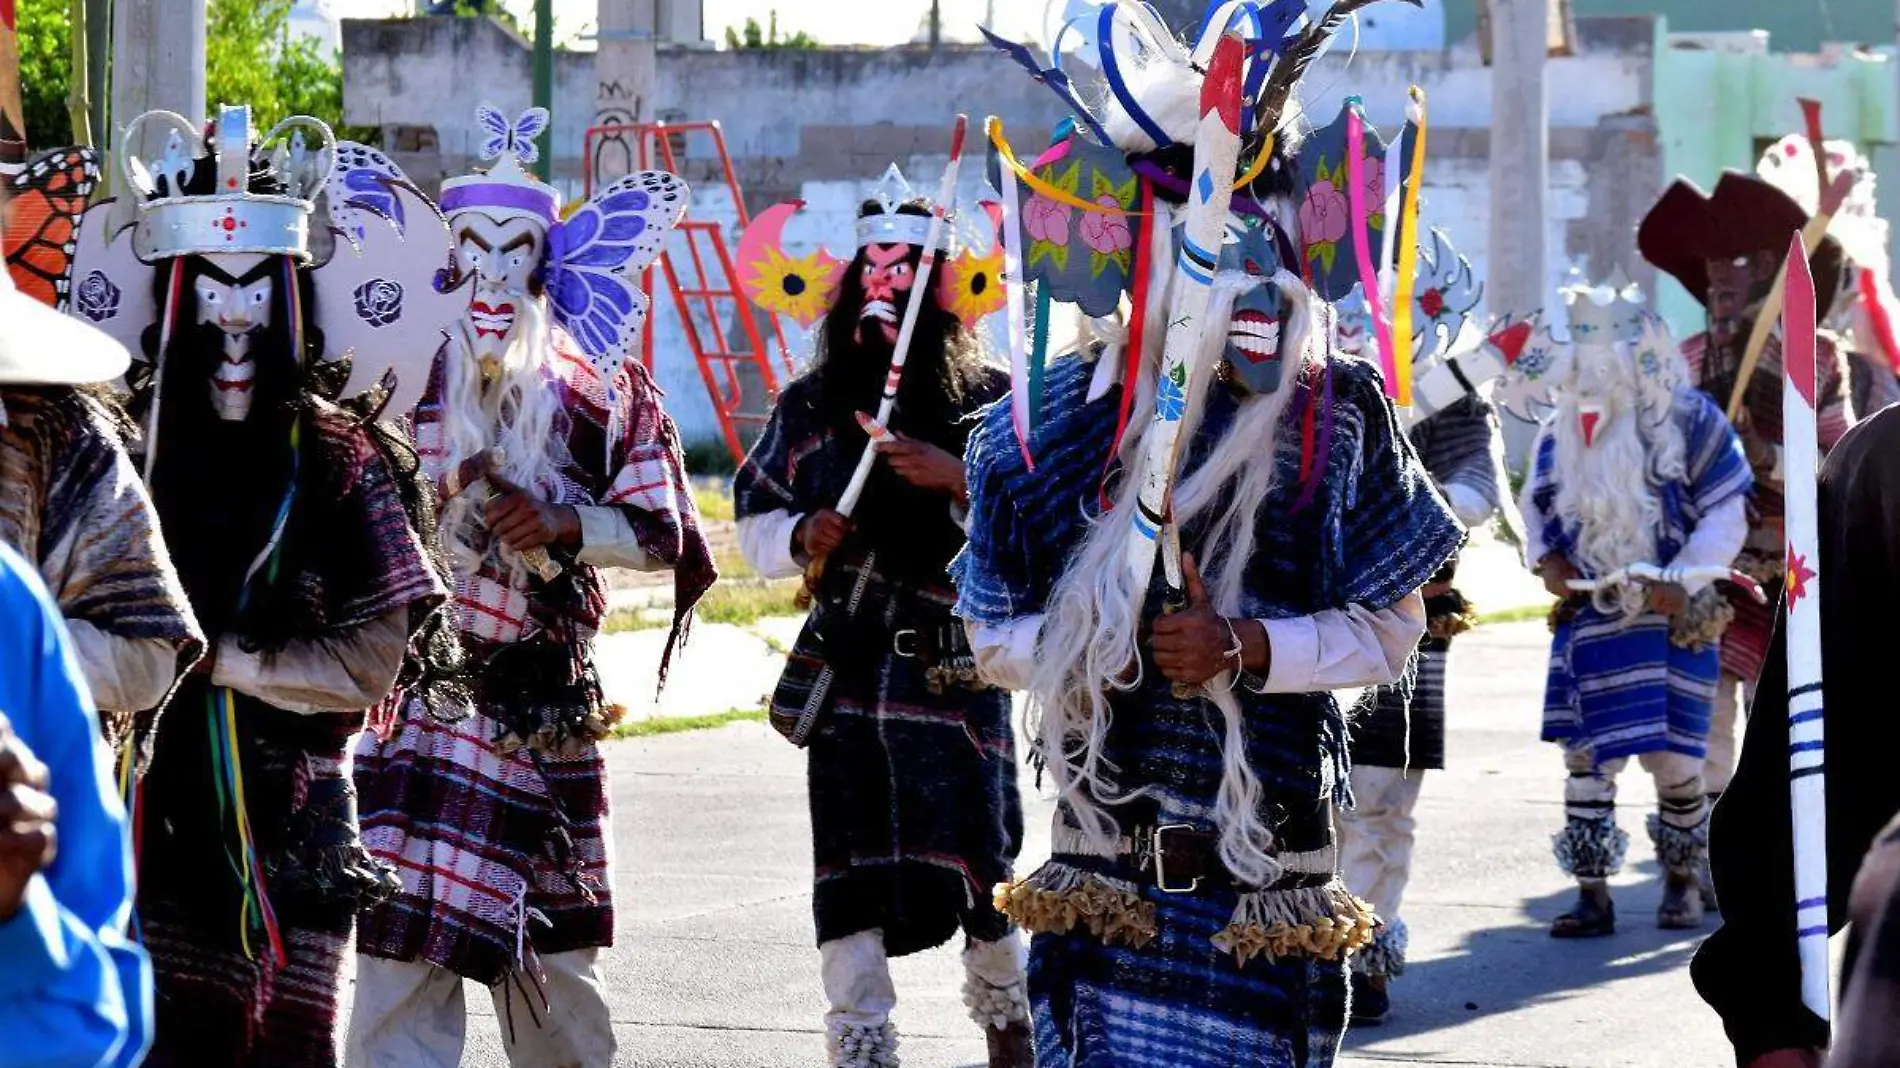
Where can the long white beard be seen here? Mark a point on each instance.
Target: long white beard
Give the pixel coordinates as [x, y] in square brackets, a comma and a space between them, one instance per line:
[1092, 623]
[1606, 494]
[519, 413]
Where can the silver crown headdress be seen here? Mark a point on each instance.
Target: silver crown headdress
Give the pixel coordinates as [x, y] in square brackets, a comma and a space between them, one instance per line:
[1607, 313]
[888, 226]
[233, 219]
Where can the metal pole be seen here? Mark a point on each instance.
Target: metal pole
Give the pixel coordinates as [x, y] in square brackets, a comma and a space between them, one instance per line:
[1520, 152]
[99, 68]
[936, 24]
[544, 80]
[78, 105]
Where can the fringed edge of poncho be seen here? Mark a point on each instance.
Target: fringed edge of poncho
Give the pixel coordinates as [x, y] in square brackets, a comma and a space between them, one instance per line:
[1324, 922]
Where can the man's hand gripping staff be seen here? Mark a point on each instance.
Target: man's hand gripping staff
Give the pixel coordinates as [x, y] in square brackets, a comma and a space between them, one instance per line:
[941, 211]
[1216, 160]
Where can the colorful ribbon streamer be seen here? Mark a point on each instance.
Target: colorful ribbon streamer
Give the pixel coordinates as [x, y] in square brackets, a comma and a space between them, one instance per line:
[1408, 258]
[1022, 415]
[1360, 223]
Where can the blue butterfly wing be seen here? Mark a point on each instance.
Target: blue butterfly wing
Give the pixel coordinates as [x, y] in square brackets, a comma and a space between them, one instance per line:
[596, 257]
[360, 190]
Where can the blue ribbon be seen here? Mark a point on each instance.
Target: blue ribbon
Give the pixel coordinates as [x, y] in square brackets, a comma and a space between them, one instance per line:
[1112, 72]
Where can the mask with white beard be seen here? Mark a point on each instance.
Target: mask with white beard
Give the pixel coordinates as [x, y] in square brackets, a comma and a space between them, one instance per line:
[501, 258]
[233, 293]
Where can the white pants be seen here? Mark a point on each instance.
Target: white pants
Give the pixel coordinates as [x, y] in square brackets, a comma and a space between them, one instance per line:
[1590, 790]
[1732, 695]
[413, 1016]
[858, 987]
[1375, 837]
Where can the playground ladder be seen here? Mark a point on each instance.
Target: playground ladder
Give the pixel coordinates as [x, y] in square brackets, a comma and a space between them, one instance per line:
[743, 363]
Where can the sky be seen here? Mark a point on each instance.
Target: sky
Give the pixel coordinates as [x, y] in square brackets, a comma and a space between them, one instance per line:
[837, 22]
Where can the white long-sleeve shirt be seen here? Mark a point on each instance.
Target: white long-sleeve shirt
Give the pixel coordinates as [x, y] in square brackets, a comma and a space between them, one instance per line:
[1335, 649]
[1716, 540]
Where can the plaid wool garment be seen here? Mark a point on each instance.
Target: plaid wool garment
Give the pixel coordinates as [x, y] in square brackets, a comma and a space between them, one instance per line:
[503, 856]
[1375, 531]
[75, 506]
[216, 1001]
[914, 806]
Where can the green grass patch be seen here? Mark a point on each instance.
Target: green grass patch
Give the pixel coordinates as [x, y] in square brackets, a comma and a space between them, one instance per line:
[1521, 614]
[713, 496]
[648, 728]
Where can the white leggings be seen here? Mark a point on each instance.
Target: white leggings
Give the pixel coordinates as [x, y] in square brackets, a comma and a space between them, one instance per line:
[413, 1016]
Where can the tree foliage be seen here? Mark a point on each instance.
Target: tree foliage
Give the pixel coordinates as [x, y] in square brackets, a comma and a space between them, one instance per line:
[44, 31]
[753, 36]
[250, 58]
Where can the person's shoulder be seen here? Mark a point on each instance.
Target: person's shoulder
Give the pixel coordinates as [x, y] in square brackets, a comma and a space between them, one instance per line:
[1876, 436]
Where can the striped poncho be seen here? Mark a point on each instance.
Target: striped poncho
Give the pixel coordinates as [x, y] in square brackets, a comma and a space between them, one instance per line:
[1406, 728]
[72, 502]
[505, 853]
[914, 807]
[1617, 685]
[1213, 978]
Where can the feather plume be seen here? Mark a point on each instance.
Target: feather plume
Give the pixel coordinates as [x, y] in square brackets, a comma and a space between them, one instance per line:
[1292, 66]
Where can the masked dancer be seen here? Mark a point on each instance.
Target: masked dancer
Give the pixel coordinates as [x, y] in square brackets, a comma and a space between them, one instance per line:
[1192, 913]
[1727, 248]
[1633, 469]
[290, 520]
[914, 807]
[553, 459]
[1400, 734]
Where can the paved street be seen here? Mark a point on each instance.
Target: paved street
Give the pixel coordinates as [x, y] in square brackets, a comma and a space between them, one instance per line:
[715, 965]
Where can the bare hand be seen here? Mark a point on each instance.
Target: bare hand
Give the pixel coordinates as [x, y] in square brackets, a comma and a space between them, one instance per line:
[821, 532]
[1556, 571]
[925, 466]
[1787, 1058]
[1667, 598]
[523, 521]
[1194, 644]
[28, 838]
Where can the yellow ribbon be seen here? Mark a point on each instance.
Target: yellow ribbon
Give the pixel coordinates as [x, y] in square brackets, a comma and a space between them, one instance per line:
[1408, 261]
[1063, 196]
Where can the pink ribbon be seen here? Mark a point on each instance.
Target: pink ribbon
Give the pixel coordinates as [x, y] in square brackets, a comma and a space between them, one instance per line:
[1361, 243]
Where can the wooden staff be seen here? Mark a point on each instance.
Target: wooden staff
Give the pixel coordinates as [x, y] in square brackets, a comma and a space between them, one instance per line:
[1807, 751]
[1216, 158]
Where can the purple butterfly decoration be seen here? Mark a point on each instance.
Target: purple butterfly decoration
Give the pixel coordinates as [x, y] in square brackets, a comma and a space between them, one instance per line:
[362, 186]
[595, 256]
[516, 138]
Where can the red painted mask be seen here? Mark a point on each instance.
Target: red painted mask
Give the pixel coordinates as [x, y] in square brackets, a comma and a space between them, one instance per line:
[888, 275]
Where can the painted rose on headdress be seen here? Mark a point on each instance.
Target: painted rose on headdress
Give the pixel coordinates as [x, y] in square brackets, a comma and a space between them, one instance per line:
[1046, 221]
[1323, 214]
[1107, 233]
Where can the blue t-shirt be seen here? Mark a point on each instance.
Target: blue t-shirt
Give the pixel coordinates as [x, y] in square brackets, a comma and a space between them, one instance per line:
[75, 992]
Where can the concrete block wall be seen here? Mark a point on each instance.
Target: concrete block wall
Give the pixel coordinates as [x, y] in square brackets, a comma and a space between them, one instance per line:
[824, 124]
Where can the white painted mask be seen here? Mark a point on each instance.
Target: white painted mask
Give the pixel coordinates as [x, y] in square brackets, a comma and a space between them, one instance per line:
[234, 293]
[502, 258]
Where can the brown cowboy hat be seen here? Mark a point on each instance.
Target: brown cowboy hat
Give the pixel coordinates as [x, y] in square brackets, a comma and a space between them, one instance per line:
[43, 347]
[1745, 215]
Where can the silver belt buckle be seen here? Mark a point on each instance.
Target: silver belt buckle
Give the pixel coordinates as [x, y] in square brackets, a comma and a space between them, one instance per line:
[1161, 862]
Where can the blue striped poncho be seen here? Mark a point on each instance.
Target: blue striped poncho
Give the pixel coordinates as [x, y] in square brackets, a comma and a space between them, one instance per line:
[1618, 686]
[1122, 975]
